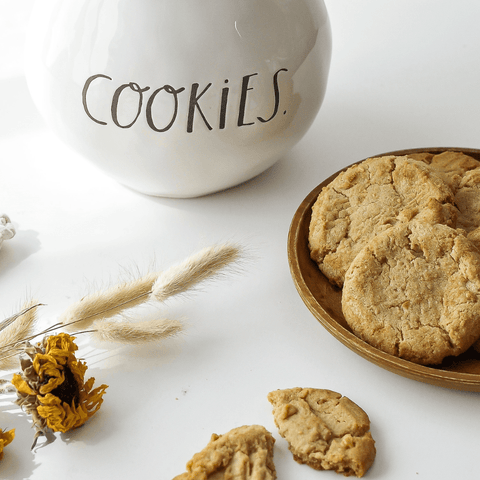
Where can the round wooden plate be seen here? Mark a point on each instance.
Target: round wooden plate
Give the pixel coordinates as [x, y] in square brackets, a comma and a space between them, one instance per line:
[324, 300]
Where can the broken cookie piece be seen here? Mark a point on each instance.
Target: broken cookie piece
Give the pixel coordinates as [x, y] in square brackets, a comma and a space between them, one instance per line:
[324, 430]
[244, 453]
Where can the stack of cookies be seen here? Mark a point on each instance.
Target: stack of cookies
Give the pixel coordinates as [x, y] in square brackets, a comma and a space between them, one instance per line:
[401, 236]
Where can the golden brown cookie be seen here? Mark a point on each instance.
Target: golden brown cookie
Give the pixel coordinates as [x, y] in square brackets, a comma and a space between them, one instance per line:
[414, 292]
[467, 200]
[368, 199]
[450, 165]
[244, 453]
[324, 430]
[462, 173]
[423, 156]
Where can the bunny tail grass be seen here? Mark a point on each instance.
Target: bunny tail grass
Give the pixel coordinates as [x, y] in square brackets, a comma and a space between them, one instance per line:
[107, 303]
[201, 266]
[13, 331]
[135, 333]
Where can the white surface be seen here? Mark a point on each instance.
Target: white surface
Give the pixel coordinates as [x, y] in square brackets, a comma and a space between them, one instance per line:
[404, 74]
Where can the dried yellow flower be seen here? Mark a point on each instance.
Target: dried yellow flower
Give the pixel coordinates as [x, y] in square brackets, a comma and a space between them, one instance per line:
[5, 439]
[52, 388]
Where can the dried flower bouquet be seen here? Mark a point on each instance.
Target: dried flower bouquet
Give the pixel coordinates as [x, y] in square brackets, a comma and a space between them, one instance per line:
[51, 385]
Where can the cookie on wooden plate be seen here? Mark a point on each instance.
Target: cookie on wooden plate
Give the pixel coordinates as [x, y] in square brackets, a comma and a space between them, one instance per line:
[467, 200]
[414, 292]
[462, 173]
[244, 453]
[324, 430]
[450, 165]
[367, 199]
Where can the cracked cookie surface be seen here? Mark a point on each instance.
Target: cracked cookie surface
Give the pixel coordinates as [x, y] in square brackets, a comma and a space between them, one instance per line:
[450, 165]
[414, 292]
[368, 199]
[462, 173]
[324, 430]
[467, 199]
[244, 453]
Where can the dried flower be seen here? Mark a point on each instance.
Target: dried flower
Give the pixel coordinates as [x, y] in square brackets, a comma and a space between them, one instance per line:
[107, 303]
[92, 310]
[51, 387]
[135, 333]
[13, 332]
[199, 267]
[5, 439]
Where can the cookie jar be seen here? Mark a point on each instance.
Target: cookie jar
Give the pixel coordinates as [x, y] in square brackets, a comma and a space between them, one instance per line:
[179, 98]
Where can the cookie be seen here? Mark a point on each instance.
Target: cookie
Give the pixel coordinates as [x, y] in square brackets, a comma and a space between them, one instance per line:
[414, 292]
[451, 166]
[367, 199]
[474, 237]
[324, 430]
[244, 453]
[467, 200]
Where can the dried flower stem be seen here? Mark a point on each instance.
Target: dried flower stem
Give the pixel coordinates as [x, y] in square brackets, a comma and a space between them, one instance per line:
[135, 333]
[13, 331]
[201, 266]
[108, 303]
[97, 307]
[204, 265]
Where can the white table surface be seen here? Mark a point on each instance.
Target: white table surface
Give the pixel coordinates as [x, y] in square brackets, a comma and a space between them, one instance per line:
[404, 74]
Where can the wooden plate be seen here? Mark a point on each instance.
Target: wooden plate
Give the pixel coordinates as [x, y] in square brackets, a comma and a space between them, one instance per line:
[324, 300]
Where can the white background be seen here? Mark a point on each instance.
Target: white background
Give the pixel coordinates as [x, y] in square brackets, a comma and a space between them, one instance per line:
[404, 74]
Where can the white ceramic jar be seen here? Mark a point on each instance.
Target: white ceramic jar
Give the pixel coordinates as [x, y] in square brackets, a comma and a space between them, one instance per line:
[179, 98]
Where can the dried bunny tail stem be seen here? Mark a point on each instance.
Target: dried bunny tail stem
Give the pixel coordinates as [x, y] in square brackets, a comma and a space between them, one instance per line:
[201, 266]
[14, 331]
[107, 303]
[135, 333]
